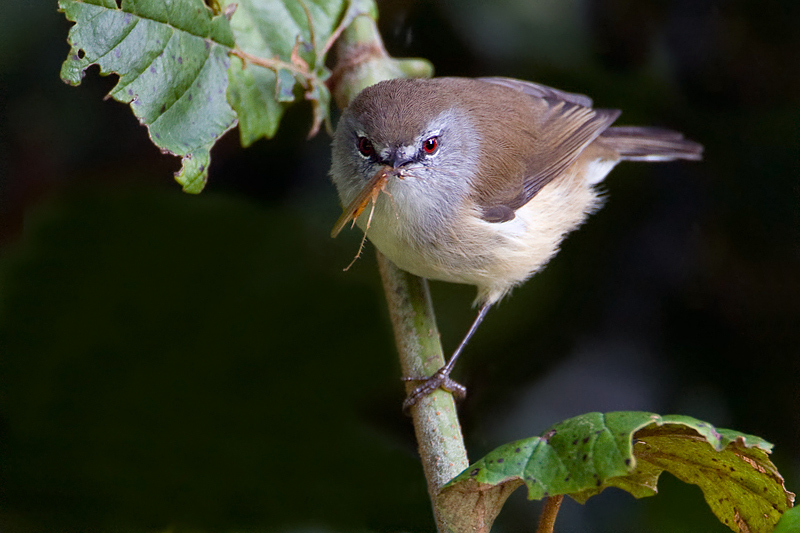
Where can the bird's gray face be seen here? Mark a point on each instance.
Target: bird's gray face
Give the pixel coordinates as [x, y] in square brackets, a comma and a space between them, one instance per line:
[430, 163]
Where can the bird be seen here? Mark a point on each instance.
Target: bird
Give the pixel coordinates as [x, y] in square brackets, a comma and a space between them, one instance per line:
[478, 180]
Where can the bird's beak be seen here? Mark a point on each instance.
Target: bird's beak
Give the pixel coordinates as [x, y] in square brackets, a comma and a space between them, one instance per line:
[397, 160]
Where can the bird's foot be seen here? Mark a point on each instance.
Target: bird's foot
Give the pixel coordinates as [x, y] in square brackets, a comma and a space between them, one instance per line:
[440, 380]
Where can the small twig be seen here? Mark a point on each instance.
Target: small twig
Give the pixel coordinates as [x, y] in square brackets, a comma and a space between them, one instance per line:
[273, 64]
[332, 39]
[547, 520]
[335, 35]
[298, 61]
[310, 24]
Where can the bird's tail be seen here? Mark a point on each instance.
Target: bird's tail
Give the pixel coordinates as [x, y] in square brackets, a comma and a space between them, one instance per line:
[650, 144]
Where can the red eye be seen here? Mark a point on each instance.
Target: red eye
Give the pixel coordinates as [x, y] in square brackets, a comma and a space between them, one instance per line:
[431, 145]
[365, 147]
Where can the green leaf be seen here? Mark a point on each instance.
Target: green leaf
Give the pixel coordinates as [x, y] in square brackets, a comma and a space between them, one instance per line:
[193, 172]
[790, 521]
[175, 69]
[582, 456]
[295, 35]
[739, 482]
[172, 62]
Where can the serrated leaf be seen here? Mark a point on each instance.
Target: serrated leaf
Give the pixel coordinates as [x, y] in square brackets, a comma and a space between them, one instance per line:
[173, 58]
[172, 61]
[739, 482]
[582, 456]
[274, 29]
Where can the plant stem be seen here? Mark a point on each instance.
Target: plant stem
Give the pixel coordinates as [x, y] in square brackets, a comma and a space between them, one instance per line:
[436, 424]
[270, 63]
[362, 60]
[547, 520]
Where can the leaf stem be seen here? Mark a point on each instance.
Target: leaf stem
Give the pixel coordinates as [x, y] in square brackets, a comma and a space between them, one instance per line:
[273, 64]
[547, 520]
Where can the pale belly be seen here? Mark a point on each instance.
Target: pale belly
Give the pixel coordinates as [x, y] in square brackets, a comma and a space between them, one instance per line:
[494, 257]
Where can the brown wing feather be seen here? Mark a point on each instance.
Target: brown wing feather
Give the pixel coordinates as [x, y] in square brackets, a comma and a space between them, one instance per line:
[540, 91]
[555, 130]
[578, 126]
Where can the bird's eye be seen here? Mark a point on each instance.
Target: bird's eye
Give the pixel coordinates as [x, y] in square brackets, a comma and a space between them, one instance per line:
[365, 147]
[431, 145]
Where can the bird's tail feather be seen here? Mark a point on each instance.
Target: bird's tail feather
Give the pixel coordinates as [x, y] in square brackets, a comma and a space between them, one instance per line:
[650, 144]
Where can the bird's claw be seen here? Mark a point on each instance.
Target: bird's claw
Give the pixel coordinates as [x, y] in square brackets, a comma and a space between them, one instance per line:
[439, 380]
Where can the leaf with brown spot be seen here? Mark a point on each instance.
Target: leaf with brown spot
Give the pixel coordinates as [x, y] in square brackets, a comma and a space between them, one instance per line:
[582, 456]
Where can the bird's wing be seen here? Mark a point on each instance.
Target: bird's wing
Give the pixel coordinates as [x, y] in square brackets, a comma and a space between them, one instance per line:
[555, 129]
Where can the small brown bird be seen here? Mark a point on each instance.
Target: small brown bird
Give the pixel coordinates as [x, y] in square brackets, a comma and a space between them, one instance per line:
[478, 181]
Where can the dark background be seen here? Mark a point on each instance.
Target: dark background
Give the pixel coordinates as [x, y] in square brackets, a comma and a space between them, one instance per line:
[201, 363]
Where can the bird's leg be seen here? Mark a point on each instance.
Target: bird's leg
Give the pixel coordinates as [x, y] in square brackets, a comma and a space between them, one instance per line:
[441, 378]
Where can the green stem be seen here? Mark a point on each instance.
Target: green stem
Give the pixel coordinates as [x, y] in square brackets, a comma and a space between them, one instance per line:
[362, 61]
[436, 424]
